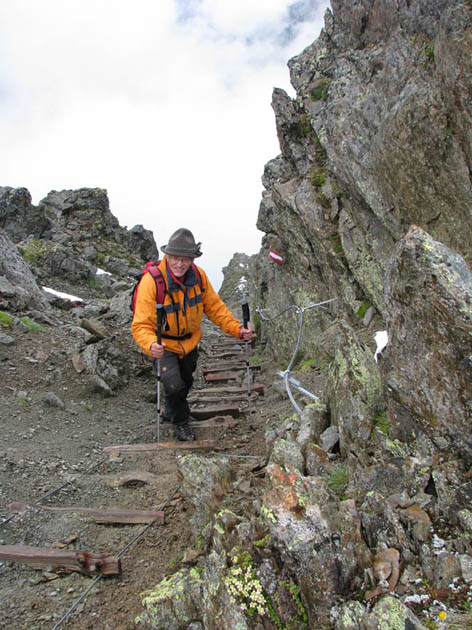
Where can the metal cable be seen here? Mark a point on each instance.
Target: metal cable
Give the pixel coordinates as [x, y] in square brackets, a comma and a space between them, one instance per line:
[286, 374]
[120, 553]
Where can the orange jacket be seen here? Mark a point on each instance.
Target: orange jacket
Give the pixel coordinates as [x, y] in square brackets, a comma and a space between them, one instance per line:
[184, 307]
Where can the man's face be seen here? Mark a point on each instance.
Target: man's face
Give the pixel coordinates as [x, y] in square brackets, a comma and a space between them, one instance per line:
[179, 265]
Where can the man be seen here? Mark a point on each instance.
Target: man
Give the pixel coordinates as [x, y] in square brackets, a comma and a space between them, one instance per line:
[188, 295]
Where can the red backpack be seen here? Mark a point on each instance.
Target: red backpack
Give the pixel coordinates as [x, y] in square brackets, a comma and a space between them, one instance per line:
[152, 267]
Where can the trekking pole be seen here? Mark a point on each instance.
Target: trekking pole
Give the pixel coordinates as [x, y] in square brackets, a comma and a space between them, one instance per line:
[160, 317]
[246, 317]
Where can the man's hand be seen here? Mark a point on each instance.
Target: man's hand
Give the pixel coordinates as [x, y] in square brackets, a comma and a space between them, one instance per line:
[157, 350]
[247, 334]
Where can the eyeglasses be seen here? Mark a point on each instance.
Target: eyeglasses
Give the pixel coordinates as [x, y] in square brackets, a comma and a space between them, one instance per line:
[180, 259]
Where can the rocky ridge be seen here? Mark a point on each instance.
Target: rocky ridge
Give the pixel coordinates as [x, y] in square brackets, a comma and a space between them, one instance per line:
[363, 520]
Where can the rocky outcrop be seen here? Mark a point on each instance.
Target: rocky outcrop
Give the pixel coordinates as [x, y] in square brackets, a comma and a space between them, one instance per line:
[238, 280]
[71, 244]
[19, 218]
[429, 317]
[377, 139]
[369, 203]
[18, 287]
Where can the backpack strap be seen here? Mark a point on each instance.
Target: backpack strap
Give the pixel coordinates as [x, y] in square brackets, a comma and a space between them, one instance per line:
[198, 276]
[160, 282]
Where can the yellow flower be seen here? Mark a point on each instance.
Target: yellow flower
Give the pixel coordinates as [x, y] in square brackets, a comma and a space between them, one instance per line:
[442, 615]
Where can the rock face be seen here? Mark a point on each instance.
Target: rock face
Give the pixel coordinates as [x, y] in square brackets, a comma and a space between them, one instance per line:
[72, 243]
[369, 203]
[429, 316]
[239, 282]
[377, 139]
[71, 234]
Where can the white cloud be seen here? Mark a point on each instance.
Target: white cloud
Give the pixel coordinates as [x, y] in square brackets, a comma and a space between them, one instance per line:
[165, 104]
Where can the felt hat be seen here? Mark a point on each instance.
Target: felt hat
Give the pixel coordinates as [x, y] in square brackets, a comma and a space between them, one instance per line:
[182, 243]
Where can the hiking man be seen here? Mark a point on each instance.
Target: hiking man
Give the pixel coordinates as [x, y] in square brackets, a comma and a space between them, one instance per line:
[188, 295]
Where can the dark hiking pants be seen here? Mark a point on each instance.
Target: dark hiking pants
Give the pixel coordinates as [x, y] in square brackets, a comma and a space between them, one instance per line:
[177, 379]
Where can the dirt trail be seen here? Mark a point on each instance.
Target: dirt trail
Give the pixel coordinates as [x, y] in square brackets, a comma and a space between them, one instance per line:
[45, 448]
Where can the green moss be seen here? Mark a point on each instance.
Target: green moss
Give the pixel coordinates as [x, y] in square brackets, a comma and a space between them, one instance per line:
[256, 360]
[381, 423]
[318, 177]
[429, 52]
[304, 125]
[174, 562]
[294, 591]
[336, 243]
[94, 282]
[33, 252]
[319, 92]
[363, 308]
[307, 365]
[268, 514]
[397, 448]
[338, 480]
[31, 325]
[6, 320]
[262, 542]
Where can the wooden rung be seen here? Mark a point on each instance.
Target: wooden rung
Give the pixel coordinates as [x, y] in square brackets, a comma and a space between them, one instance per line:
[211, 412]
[212, 423]
[217, 399]
[158, 446]
[84, 562]
[105, 516]
[223, 368]
[221, 376]
[230, 389]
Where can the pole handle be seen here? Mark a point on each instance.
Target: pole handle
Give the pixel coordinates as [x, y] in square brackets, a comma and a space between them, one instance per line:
[160, 319]
[246, 314]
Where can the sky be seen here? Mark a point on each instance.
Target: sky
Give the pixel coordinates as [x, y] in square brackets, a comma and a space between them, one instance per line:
[163, 103]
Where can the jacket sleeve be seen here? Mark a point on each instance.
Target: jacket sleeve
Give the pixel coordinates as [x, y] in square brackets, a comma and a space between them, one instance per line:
[143, 326]
[216, 309]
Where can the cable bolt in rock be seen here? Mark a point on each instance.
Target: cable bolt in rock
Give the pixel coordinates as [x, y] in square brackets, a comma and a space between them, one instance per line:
[289, 380]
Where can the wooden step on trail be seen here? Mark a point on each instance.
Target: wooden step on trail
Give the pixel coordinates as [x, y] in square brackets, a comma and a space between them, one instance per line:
[203, 400]
[228, 355]
[227, 347]
[211, 412]
[103, 516]
[84, 562]
[159, 446]
[215, 377]
[215, 422]
[224, 368]
[257, 388]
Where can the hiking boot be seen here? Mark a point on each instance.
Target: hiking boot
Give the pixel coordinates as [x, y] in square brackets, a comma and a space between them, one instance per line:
[184, 432]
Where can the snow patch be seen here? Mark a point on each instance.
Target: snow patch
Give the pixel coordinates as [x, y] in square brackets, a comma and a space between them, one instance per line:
[381, 339]
[65, 296]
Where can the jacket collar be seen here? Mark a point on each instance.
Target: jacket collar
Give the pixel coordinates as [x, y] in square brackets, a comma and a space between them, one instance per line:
[189, 280]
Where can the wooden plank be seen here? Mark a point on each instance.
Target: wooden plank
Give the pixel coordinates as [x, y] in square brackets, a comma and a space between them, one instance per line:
[130, 478]
[217, 399]
[213, 423]
[228, 355]
[105, 516]
[221, 376]
[84, 562]
[256, 388]
[211, 412]
[158, 446]
[223, 368]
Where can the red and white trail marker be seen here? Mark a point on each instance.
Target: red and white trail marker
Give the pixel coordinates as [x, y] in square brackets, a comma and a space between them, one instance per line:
[275, 256]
